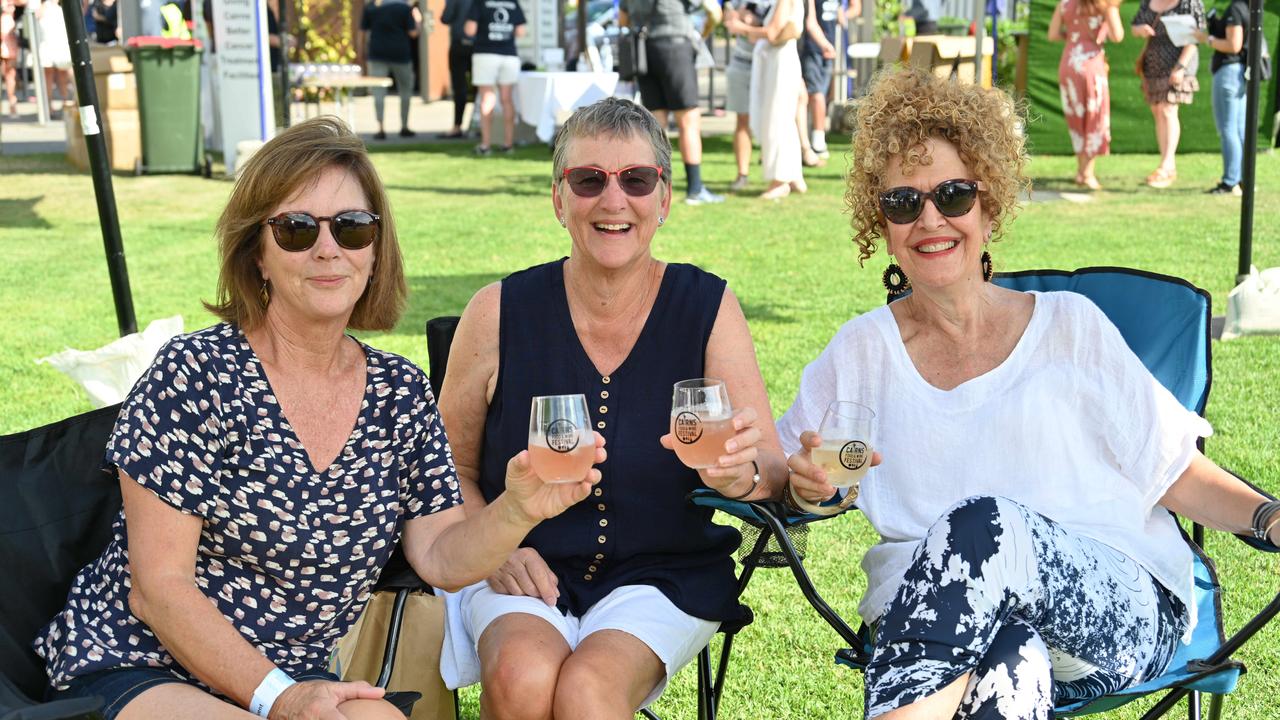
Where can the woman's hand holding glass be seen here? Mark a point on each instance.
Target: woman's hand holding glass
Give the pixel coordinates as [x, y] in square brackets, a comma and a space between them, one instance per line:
[837, 456]
[538, 500]
[710, 437]
[809, 482]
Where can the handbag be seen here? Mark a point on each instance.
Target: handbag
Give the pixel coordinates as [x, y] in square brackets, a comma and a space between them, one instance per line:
[1253, 307]
[417, 662]
[633, 60]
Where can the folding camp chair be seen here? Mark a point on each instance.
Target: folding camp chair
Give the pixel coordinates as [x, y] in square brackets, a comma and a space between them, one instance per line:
[1165, 321]
[439, 338]
[56, 511]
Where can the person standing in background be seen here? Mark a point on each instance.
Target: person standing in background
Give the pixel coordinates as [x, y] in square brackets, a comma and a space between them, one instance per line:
[776, 89]
[9, 53]
[1168, 77]
[671, 84]
[494, 26]
[55, 54]
[924, 13]
[817, 49]
[1082, 78]
[460, 49]
[392, 25]
[741, 19]
[1226, 37]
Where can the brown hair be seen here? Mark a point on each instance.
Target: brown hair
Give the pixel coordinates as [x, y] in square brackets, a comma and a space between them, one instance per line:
[907, 106]
[284, 165]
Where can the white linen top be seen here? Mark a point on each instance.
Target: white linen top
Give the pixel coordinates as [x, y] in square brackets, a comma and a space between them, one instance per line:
[1070, 425]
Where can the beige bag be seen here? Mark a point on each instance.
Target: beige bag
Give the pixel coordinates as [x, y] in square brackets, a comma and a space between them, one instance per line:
[417, 666]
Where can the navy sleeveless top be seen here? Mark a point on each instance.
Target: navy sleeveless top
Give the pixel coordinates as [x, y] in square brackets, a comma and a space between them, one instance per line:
[636, 528]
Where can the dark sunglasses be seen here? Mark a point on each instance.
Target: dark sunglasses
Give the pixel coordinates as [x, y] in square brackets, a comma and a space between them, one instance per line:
[636, 181]
[298, 231]
[953, 198]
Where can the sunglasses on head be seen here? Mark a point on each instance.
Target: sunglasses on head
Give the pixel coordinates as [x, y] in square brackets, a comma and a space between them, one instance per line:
[636, 181]
[953, 198]
[298, 231]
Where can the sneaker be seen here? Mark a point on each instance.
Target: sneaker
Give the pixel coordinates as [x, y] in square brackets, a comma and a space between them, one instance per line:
[406, 132]
[823, 152]
[703, 197]
[508, 149]
[1225, 189]
[484, 150]
[739, 185]
[380, 135]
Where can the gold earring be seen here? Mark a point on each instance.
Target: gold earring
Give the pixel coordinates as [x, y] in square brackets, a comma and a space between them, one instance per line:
[264, 294]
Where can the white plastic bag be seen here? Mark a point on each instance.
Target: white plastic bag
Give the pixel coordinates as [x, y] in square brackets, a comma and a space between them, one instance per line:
[110, 371]
[1253, 307]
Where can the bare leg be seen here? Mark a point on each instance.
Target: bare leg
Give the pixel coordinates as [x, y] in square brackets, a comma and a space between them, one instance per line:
[1173, 132]
[607, 678]
[690, 123]
[486, 98]
[938, 706]
[818, 111]
[9, 70]
[508, 115]
[808, 157]
[1162, 132]
[520, 664]
[742, 143]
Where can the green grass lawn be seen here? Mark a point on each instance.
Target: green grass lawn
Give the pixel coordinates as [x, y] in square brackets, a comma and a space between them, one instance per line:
[466, 222]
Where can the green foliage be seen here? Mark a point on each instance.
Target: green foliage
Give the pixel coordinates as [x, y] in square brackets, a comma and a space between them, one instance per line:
[465, 222]
[324, 32]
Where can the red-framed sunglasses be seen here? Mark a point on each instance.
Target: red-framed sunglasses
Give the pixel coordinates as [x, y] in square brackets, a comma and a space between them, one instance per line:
[298, 231]
[637, 180]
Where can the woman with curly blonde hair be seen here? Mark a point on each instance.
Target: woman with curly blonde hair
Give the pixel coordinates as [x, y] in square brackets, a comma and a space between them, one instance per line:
[1027, 461]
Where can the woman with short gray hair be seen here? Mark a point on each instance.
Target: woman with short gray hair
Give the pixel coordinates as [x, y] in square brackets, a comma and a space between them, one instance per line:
[599, 608]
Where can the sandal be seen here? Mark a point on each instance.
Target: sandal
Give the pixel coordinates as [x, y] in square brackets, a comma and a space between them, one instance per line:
[1090, 183]
[1161, 178]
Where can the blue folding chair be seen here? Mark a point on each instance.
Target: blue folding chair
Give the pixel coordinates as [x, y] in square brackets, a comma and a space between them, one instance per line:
[1165, 321]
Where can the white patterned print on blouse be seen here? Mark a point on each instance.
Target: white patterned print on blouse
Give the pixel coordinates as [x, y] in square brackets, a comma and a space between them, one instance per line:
[288, 554]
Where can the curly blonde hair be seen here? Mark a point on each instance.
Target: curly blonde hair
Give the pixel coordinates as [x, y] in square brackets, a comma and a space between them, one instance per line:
[907, 106]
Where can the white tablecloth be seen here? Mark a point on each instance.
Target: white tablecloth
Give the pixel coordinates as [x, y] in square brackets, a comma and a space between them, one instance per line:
[541, 96]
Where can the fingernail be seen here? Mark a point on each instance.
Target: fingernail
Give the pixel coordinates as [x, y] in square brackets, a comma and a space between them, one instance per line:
[731, 446]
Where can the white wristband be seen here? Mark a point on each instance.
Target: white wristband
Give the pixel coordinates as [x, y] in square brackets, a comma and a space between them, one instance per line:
[271, 687]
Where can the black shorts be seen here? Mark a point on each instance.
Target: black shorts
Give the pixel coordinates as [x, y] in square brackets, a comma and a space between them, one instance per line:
[816, 71]
[672, 80]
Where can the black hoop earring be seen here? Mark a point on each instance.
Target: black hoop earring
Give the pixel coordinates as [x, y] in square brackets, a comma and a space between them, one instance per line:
[987, 269]
[895, 281]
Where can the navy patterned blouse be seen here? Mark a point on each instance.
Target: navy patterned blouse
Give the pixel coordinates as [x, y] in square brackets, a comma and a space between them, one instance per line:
[288, 554]
[636, 527]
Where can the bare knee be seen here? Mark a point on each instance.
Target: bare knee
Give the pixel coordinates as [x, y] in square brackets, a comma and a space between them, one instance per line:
[584, 684]
[370, 710]
[517, 686]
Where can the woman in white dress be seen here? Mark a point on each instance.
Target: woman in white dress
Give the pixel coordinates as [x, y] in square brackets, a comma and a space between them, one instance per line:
[55, 54]
[776, 84]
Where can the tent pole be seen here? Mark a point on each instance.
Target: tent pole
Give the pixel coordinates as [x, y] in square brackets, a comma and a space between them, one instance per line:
[87, 94]
[1252, 100]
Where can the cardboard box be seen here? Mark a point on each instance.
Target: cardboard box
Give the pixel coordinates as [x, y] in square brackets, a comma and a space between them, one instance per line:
[123, 136]
[116, 91]
[109, 59]
[895, 49]
[952, 57]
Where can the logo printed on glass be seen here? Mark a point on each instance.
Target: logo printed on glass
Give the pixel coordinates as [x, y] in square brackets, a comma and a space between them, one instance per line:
[688, 427]
[562, 436]
[853, 455]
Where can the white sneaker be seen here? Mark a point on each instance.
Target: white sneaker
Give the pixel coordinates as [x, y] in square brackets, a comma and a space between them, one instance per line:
[703, 197]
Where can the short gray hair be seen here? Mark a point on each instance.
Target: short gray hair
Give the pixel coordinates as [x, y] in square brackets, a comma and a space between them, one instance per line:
[614, 118]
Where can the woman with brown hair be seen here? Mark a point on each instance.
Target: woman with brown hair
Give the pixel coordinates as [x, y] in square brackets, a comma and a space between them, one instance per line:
[271, 463]
[1082, 78]
[1168, 77]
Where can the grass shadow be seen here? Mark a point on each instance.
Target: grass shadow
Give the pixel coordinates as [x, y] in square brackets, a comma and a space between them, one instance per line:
[511, 186]
[21, 213]
[766, 312]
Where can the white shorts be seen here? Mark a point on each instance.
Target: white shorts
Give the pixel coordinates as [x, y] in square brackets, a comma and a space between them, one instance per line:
[490, 69]
[638, 610]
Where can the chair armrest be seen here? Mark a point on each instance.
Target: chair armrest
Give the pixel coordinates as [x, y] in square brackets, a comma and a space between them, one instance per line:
[14, 705]
[752, 511]
[1250, 540]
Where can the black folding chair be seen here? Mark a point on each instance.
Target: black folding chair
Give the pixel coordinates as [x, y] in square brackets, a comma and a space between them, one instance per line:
[1165, 321]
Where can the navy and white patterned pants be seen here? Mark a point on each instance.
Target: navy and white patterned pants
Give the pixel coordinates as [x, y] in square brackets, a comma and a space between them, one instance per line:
[1037, 614]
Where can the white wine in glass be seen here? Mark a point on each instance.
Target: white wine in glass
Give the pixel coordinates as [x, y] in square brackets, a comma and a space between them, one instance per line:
[845, 453]
[701, 421]
[561, 445]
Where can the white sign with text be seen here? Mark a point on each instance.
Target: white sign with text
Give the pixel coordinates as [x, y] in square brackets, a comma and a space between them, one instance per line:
[243, 97]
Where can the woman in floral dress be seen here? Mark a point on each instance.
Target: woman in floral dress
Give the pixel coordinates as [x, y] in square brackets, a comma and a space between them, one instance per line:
[1082, 77]
[1168, 77]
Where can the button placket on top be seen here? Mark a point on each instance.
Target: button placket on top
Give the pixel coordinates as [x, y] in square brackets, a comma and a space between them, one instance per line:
[603, 396]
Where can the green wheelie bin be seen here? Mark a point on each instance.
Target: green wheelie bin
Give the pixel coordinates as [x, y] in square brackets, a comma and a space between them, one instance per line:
[168, 76]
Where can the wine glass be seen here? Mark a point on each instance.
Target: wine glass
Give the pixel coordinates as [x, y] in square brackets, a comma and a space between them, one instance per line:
[561, 445]
[845, 453]
[701, 421]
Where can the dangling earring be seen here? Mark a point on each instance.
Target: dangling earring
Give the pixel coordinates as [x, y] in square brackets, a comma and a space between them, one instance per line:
[895, 281]
[987, 269]
[562, 222]
[661, 220]
[264, 294]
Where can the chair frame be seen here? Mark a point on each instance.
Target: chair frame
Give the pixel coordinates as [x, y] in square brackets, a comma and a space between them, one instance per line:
[773, 519]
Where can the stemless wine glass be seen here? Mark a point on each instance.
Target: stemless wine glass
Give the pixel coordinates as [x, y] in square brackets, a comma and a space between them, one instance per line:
[561, 446]
[846, 448]
[701, 421]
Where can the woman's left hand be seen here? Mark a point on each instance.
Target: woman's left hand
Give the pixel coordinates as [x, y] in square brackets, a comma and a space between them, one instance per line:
[735, 465]
[538, 500]
[1176, 77]
[1202, 36]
